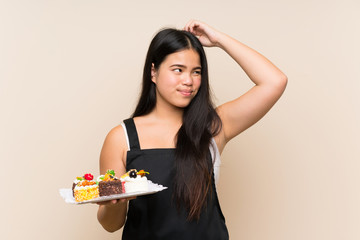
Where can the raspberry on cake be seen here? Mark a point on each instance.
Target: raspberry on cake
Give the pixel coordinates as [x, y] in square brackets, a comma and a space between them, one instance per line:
[85, 189]
[109, 184]
[135, 181]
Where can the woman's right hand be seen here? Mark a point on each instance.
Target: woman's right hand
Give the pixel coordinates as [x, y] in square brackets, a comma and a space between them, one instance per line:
[115, 201]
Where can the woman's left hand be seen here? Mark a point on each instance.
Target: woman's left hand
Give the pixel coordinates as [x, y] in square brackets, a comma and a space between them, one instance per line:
[208, 36]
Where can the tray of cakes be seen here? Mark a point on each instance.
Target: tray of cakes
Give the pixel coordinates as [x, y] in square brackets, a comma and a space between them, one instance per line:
[108, 187]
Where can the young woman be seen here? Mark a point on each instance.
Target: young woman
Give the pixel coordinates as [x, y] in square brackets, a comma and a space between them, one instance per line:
[177, 135]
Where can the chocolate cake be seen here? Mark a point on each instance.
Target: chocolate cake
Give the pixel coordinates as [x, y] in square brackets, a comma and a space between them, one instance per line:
[109, 184]
[112, 187]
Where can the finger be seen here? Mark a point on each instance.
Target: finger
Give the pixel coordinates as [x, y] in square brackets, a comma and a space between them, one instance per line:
[190, 25]
[196, 28]
[107, 202]
[187, 25]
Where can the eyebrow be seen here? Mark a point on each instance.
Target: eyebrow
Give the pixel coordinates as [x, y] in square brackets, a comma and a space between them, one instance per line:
[183, 66]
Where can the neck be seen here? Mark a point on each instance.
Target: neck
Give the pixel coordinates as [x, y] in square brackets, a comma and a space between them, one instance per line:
[166, 113]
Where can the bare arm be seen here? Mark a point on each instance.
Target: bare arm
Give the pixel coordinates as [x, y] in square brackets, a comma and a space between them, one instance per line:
[270, 82]
[112, 214]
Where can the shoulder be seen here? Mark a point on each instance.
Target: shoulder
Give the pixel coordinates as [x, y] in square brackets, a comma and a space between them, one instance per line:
[113, 152]
[117, 135]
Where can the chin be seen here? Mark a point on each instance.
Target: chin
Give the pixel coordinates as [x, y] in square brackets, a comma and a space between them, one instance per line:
[183, 104]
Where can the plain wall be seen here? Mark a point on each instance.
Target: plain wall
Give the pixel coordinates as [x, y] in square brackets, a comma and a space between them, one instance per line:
[71, 70]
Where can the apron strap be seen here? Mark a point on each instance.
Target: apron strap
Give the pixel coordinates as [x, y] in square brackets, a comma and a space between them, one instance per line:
[132, 134]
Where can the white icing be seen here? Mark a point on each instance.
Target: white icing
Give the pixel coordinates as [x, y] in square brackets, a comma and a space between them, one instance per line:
[100, 178]
[137, 184]
[85, 187]
[76, 181]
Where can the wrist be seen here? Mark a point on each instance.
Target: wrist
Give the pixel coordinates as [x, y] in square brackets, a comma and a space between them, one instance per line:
[224, 42]
[220, 40]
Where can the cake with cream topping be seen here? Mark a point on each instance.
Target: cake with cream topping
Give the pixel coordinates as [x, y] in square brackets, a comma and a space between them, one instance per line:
[85, 188]
[135, 181]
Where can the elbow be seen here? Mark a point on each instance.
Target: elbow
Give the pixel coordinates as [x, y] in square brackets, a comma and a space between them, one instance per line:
[281, 83]
[284, 81]
[111, 228]
[277, 85]
[110, 225]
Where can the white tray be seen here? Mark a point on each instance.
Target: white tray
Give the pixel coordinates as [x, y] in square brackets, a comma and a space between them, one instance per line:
[67, 194]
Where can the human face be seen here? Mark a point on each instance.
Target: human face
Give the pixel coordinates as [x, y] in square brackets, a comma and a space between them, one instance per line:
[178, 78]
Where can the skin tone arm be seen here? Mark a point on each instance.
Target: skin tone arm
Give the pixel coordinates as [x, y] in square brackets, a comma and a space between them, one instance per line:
[112, 214]
[270, 82]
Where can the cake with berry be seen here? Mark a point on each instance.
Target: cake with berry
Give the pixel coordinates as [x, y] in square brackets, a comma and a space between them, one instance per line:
[135, 181]
[109, 184]
[85, 188]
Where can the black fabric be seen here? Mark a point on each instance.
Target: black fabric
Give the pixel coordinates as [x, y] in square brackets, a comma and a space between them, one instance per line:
[132, 134]
[155, 216]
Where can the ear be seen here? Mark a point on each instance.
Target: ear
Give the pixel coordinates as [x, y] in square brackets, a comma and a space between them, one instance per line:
[153, 73]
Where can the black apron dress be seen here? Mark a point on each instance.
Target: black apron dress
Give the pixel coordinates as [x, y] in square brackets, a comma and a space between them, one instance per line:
[155, 216]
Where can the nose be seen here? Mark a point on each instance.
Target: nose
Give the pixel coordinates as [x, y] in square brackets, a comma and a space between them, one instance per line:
[187, 79]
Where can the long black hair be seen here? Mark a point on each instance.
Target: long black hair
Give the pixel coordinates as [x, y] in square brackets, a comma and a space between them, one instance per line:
[193, 168]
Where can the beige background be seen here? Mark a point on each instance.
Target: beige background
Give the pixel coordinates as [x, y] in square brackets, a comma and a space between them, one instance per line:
[70, 70]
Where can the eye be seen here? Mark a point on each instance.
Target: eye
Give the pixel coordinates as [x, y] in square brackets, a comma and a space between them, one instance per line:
[197, 72]
[177, 70]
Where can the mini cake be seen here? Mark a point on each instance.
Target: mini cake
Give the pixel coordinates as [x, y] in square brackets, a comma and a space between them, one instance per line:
[75, 182]
[135, 181]
[86, 189]
[109, 184]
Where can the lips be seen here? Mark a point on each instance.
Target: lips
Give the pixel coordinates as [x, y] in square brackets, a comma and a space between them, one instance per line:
[185, 92]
